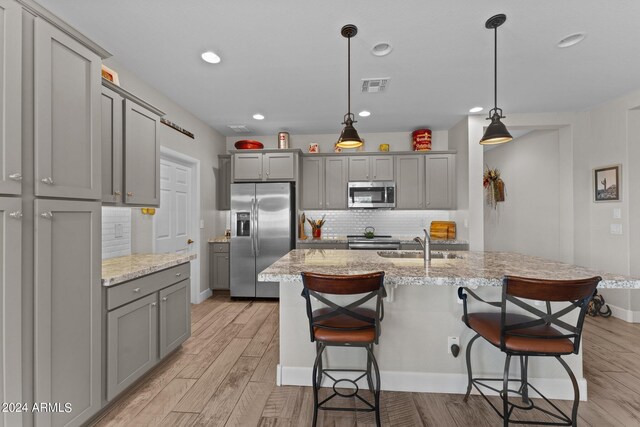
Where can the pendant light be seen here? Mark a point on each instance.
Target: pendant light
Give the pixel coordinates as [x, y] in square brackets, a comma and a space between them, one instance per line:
[349, 137]
[496, 132]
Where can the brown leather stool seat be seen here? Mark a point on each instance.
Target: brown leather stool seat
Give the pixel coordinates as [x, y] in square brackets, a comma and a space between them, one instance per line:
[488, 326]
[342, 328]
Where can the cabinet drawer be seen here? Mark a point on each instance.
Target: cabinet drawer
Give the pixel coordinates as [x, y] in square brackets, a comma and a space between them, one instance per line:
[130, 291]
[220, 247]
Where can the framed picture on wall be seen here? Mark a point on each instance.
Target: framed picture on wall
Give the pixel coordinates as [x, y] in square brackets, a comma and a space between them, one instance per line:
[606, 183]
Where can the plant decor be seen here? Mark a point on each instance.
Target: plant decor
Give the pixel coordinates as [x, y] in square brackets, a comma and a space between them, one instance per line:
[494, 187]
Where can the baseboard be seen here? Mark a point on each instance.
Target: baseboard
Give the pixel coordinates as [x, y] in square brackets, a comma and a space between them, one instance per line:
[628, 316]
[424, 382]
[203, 296]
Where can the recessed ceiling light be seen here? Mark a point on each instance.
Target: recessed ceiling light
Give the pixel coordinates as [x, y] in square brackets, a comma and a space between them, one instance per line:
[364, 113]
[258, 116]
[476, 109]
[571, 40]
[210, 57]
[382, 49]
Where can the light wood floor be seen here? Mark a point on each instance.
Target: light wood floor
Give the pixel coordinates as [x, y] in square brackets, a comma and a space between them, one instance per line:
[224, 375]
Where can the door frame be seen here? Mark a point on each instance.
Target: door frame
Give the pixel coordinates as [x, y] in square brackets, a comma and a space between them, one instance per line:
[194, 164]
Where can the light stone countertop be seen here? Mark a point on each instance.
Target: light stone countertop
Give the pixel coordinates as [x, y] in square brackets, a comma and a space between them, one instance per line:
[125, 268]
[403, 239]
[474, 269]
[220, 239]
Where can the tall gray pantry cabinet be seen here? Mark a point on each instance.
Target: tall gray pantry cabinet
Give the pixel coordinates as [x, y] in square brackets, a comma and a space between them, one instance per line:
[50, 190]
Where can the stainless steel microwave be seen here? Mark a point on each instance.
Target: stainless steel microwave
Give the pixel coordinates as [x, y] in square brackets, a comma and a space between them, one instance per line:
[368, 195]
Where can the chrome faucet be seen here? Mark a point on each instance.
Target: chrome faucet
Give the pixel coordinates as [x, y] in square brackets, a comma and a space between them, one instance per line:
[426, 245]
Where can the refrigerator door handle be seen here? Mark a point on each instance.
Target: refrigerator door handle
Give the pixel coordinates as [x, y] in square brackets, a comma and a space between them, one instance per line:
[257, 228]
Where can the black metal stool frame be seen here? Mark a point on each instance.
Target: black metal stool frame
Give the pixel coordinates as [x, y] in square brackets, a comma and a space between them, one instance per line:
[544, 318]
[372, 368]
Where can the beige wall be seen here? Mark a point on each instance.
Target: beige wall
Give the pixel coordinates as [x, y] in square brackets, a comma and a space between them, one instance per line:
[206, 146]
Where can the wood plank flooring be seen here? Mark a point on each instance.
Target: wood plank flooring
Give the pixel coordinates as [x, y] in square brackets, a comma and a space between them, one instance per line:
[224, 375]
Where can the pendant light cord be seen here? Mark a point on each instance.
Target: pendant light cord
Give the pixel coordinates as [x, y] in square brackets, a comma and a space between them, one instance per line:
[349, 76]
[495, 68]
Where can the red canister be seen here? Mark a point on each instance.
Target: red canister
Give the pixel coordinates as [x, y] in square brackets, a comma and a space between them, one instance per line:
[421, 140]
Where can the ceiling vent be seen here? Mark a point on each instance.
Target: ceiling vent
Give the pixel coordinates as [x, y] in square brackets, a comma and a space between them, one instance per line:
[374, 85]
[240, 128]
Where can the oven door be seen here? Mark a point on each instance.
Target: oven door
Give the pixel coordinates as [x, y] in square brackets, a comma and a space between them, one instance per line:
[371, 195]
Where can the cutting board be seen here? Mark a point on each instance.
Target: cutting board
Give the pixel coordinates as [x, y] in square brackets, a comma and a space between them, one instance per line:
[442, 230]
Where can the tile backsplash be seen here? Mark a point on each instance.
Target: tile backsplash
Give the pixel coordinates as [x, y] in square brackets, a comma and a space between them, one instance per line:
[116, 232]
[386, 222]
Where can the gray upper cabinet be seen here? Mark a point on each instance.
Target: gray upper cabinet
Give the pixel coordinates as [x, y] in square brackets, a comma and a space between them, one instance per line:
[175, 316]
[279, 166]
[10, 307]
[67, 116]
[11, 98]
[440, 182]
[141, 155]
[359, 168]
[223, 183]
[111, 146]
[67, 309]
[381, 168]
[410, 182]
[132, 343]
[312, 192]
[247, 167]
[336, 177]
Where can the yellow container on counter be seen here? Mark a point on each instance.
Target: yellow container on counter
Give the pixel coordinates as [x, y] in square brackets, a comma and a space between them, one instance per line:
[383, 147]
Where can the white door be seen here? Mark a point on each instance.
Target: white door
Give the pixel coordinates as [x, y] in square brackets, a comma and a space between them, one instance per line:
[174, 217]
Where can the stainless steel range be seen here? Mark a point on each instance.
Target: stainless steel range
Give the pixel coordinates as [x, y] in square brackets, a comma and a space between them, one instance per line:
[375, 243]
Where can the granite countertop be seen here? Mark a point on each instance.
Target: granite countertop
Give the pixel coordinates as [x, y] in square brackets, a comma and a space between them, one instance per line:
[473, 269]
[219, 239]
[403, 239]
[124, 268]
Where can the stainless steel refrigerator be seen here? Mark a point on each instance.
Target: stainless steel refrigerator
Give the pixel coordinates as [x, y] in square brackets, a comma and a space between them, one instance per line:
[262, 231]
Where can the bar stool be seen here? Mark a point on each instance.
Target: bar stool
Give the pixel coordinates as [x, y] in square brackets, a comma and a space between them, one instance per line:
[347, 325]
[523, 335]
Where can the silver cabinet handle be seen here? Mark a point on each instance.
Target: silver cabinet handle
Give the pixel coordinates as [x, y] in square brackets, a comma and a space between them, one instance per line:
[16, 214]
[178, 274]
[226, 257]
[48, 180]
[47, 215]
[130, 193]
[164, 299]
[16, 176]
[153, 304]
[136, 290]
[116, 193]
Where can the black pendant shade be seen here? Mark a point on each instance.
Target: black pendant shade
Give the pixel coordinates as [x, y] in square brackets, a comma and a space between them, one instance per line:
[349, 137]
[496, 132]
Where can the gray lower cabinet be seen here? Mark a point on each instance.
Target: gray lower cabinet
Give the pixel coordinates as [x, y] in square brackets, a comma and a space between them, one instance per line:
[111, 146]
[440, 181]
[219, 266]
[312, 191]
[67, 116]
[132, 343]
[336, 178]
[67, 307]
[10, 307]
[141, 155]
[175, 317]
[11, 98]
[410, 182]
[223, 181]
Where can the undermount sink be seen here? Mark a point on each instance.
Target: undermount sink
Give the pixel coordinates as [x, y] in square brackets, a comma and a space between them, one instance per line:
[417, 254]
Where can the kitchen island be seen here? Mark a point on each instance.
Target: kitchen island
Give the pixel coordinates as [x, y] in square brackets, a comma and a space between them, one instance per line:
[421, 312]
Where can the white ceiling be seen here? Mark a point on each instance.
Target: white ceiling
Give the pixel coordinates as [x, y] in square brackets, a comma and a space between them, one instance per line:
[287, 60]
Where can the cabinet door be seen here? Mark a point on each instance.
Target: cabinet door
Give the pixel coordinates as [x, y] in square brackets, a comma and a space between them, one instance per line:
[279, 166]
[10, 307]
[410, 182]
[132, 343]
[359, 168]
[221, 271]
[111, 146]
[440, 182]
[67, 309]
[67, 116]
[247, 167]
[312, 193]
[175, 316]
[10, 98]
[141, 156]
[336, 179]
[224, 183]
[382, 168]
